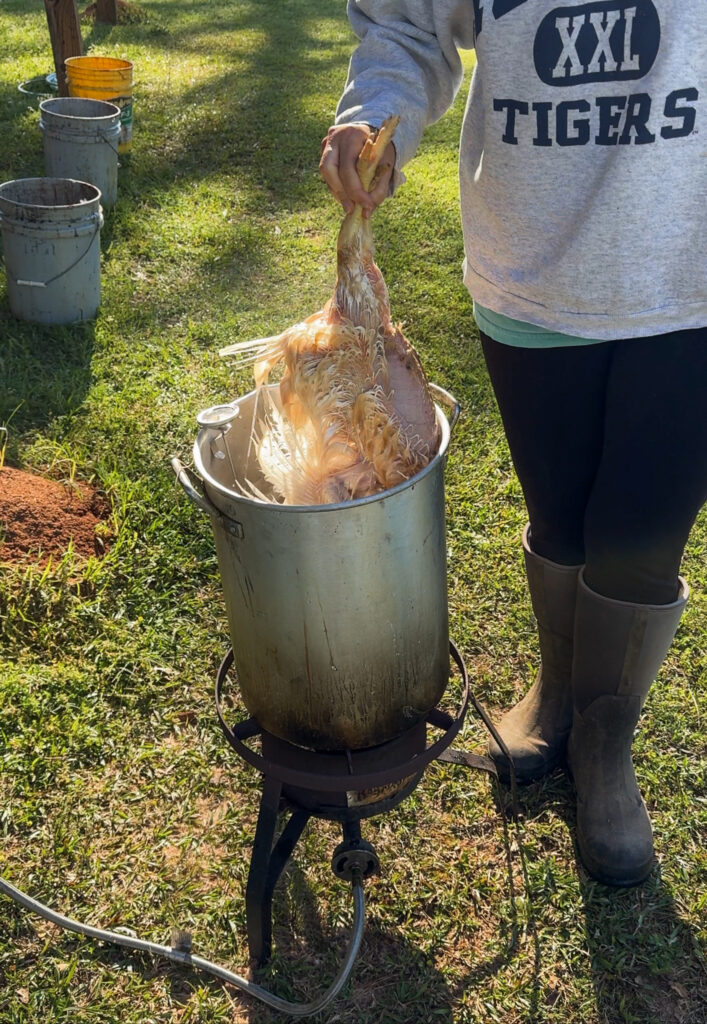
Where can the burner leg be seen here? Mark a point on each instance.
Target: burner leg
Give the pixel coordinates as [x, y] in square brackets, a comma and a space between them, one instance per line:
[281, 853]
[266, 866]
[257, 905]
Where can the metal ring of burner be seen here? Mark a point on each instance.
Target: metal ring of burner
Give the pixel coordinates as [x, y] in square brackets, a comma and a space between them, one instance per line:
[351, 781]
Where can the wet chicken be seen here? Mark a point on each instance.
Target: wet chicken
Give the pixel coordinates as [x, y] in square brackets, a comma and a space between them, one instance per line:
[355, 415]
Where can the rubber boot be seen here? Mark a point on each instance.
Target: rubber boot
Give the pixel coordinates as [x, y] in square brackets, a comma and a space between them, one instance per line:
[536, 729]
[618, 650]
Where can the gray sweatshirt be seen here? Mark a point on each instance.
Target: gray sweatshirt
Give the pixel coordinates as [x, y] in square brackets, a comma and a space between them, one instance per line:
[583, 170]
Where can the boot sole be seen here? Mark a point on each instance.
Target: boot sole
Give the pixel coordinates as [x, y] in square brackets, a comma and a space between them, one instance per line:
[599, 873]
[532, 775]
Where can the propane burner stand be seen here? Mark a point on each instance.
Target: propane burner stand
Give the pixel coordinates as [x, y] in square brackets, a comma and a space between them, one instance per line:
[345, 786]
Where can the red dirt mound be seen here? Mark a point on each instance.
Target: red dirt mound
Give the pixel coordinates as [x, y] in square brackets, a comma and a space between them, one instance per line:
[38, 517]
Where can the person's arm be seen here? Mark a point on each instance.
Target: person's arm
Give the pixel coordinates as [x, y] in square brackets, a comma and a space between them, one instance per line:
[407, 63]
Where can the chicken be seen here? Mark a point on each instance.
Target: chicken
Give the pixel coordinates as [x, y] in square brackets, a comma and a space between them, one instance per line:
[355, 417]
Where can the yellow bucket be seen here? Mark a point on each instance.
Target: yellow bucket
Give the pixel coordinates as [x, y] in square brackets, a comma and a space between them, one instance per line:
[109, 79]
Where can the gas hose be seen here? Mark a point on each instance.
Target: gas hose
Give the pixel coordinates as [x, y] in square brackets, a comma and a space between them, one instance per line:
[187, 960]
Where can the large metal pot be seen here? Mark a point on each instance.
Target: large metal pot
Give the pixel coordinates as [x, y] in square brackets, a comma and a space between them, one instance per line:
[337, 613]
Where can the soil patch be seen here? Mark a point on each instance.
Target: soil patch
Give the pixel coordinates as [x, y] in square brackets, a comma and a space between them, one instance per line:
[39, 517]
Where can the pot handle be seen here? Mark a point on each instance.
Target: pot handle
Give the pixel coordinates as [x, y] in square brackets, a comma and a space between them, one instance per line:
[193, 487]
[451, 403]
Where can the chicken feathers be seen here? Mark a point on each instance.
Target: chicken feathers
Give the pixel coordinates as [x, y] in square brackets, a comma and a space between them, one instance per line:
[356, 415]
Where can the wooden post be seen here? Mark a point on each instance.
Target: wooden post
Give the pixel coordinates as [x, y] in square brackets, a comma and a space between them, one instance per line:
[65, 34]
[107, 10]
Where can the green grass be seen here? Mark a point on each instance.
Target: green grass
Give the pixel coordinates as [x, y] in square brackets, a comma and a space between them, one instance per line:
[119, 800]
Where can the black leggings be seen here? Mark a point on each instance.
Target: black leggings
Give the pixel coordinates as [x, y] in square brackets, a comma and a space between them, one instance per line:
[609, 442]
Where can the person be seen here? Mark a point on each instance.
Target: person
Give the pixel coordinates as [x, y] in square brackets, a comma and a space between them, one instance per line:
[583, 193]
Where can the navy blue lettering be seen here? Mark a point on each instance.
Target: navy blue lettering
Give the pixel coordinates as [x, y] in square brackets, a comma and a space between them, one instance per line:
[607, 121]
[670, 131]
[512, 107]
[603, 41]
[580, 126]
[610, 108]
[501, 7]
[542, 120]
[637, 112]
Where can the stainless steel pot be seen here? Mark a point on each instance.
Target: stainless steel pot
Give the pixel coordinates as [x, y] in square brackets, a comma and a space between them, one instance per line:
[337, 613]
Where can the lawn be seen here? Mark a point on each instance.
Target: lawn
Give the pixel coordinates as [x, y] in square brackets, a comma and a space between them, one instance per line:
[120, 803]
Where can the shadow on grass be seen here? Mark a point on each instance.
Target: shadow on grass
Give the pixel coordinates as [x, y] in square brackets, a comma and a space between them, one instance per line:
[646, 964]
[253, 121]
[45, 369]
[391, 980]
[45, 372]
[255, 129]
[21, 153]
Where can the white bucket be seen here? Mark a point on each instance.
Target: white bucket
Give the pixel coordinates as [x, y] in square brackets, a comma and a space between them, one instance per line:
[51, 242]
[81, 142]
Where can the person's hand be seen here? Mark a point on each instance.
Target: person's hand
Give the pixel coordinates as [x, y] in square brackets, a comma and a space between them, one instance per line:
[340, 150]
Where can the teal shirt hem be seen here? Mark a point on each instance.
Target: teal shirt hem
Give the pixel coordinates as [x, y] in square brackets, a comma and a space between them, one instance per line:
[524, 335]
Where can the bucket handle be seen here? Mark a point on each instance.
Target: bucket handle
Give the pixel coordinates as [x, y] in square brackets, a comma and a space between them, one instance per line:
[193, 487]
[44, 284]
[451, 403]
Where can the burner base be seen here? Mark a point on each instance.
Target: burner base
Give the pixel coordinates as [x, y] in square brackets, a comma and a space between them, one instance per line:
[345, 786]
[352, 803]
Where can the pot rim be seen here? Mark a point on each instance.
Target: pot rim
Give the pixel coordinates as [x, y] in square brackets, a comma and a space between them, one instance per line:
[272, 506]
